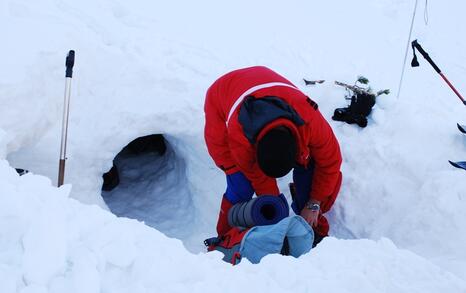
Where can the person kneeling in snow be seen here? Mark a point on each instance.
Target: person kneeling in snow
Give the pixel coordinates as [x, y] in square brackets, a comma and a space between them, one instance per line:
[258, 127]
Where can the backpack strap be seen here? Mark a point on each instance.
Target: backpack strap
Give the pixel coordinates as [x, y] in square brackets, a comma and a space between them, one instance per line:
[229, 244]
[236, 258]
[212, 241]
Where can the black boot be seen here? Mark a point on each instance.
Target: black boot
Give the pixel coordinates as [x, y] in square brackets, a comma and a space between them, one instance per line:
[357, 112]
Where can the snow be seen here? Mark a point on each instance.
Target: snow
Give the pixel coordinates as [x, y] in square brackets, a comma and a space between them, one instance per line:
[140, 194]
[143, 68]
[61, 245]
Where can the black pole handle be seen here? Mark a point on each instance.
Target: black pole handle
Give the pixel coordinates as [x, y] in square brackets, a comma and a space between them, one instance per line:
[69, 64]
[424, 54]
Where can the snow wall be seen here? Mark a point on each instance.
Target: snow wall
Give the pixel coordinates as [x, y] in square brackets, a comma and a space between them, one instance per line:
[143, 68]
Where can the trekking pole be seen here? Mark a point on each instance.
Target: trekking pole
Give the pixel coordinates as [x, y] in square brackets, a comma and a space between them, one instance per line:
[66, 111]
[415, 63]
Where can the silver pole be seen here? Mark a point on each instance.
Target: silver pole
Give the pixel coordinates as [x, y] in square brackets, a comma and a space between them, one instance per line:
[66, 112]
[406, 52]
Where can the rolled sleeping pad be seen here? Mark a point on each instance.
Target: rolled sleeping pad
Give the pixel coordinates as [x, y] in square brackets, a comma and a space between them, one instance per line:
[259, 211]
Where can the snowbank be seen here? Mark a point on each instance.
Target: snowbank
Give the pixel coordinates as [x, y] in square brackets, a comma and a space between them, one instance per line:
[51, 243]
[143, 69]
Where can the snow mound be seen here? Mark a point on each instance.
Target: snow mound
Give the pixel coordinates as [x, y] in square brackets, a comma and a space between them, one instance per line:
[51, 243]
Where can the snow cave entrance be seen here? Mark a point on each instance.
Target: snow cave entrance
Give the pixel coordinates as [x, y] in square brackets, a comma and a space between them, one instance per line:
[148, 182]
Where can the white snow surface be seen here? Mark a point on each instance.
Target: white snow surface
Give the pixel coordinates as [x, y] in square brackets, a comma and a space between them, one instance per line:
[143, 68]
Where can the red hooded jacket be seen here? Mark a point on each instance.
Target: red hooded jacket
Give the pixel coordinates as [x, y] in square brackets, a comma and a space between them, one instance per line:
[231, 138]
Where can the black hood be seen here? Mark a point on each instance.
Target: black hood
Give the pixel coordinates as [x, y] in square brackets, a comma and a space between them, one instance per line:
[256, 113]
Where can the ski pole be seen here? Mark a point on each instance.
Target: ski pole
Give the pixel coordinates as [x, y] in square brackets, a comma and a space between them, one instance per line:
[66, 111]
[415, 63]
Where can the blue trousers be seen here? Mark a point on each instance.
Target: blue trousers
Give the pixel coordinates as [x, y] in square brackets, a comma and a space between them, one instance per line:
[302, 178]
[239, 188]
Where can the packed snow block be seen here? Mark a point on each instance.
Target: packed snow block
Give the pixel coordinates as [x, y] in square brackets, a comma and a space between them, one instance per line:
[44, 244]
[260, 241]
[259, 211]
[8, 274]
[34, 288]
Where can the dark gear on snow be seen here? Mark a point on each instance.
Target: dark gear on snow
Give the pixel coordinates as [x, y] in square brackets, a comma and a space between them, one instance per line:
[21, 172]
[357, 112]
[461, 128]
[415, 63]
[362, 101]
[313, 82]
[459, 164]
